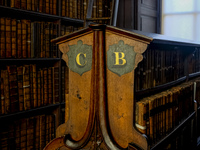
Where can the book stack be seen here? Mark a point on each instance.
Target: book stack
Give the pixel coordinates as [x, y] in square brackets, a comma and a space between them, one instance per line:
[27, 133]
[159, 114]
[26, 87]
[158, 67]
[26, 39]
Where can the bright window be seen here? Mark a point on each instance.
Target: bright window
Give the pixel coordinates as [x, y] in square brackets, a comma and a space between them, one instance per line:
[181, 18]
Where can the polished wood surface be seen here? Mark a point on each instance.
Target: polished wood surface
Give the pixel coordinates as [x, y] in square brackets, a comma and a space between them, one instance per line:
[100, 103]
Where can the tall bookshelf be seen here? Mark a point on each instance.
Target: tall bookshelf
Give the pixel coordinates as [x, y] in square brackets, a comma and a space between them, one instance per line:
[32, 72]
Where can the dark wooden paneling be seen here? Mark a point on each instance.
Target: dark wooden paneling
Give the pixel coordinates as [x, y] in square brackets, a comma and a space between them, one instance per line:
[143, 15]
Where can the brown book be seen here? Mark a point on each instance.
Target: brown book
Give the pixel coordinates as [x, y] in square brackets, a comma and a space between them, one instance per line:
[26, 86]
[63, 83]
[51, 7]
[24, 38]
[47, 40]
[42, 87]
[55, 34]
[100, 10]
[17, 3]
[40, 5]
[54, 7]
[39, 89]
[12, 3]
[19, 39]
[35, 86]
[31, 86]
[56, 85]
[28, 4]
[67, 8]
[14, 38]
[3, 38]
[20, 87]
[8, 38]
[30, 133]
[2, 93]
[50, 86]
[63, 8]
[151, 119]
[71, 8]
[33, 3]
[24, 4]
[47, 6]
[42, 131]
[6, 92]
[17, 134]
[37, 132]
[28, 40]
[47, 129]
[45, 77]
[78, 9]
[42, 40]
[85, 3]
[23, 133]
[13, 85]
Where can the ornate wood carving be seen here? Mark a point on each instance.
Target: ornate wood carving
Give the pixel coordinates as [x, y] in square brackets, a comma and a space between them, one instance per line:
[100, 103]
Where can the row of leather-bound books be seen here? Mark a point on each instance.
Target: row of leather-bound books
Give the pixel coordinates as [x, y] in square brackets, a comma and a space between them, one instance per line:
[27, 133]
[27, 87]
[69, 8]
[160, 67]
[157, 115]
[26, 39]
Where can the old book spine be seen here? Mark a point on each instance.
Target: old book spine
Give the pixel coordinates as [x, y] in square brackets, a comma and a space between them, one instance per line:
[19, 39]
[24, 4]
[42, 131]
[17, 134]
[13, 85]
[17, 3]
[47, 6]
[85, 3]
[20, 87]
[40, 5]
[56, 85]
[78, 9]
[14, 38]
[33, 41]
[42, 35]
[100, 10]
[37, 132]
[45, 86]
[42, 87]
[47, 129]
[2, 93]
[26, 86]
[12, 3]
[31, 85]
[8, 38]
[94, 9]
[30, 133]
[23, 133]
[151, 121]
[67, 8]
[50, 85]
[81, 9]
[55, 34]
[167, 112]
[28, 40]
[39, 88]
[50, 38]
[71, 8]
[6, 92]
[28, 4]
[35, 86]
[36, 5]
[51, 7]
[47, 40]
[3, 38]
[33, 5]
[24, 39]
[63, 8]
[54, 7]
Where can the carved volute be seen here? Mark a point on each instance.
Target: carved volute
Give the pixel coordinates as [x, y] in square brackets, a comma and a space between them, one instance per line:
[100, 103]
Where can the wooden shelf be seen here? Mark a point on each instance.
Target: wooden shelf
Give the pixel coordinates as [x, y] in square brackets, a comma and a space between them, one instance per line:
[28, 113]
[159, 88]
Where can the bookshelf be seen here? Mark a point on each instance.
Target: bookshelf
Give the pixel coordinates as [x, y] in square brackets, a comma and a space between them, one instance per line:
[26, 31]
